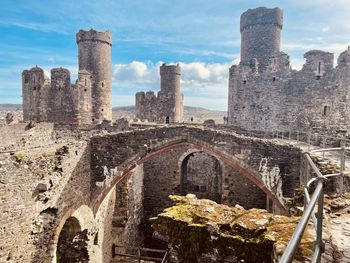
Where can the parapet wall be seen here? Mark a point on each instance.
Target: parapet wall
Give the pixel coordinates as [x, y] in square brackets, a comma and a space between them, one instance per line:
[93, 35]
[262, 16]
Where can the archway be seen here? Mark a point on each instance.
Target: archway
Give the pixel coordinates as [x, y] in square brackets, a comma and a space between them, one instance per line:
[201, 174]
[72, 243]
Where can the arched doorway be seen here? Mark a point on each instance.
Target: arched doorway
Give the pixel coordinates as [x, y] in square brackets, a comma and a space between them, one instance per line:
[201, 175]
[72, 243]
[167, 120]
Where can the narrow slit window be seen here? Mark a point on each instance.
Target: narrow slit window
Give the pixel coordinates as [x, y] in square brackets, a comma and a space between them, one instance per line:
[319, 67]
[326, 110]
[85, 82]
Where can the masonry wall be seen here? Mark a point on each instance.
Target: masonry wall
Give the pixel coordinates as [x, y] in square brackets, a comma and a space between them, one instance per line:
[270, 95]
[57, 100]
[201, 174]
[296, 100]
[128, 212]
[167, 106]
[94, 50]
[62, 100]
[35, 90]
[115, 152]
[38, 188]
[260, 35]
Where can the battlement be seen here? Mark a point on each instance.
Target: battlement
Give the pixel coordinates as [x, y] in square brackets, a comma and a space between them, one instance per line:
[344, 58]
[93, 35]
[34, 75]
[36, 69]
[318, 61]
[60, 72]
[170, 69]
[262, 16]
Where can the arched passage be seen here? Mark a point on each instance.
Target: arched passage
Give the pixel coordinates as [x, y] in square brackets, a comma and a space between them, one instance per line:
[72, 243]
[201, 174]
[222, 156]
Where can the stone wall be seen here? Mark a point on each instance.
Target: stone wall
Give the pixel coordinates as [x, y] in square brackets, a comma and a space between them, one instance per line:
[95, 56]
[257, 24]
[259, 160]
[128, 214]
[167, 107]
[57, 100]
[201, 174]
[276, 97]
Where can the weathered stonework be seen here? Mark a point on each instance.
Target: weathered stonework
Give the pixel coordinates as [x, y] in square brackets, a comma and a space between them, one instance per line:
[57, 100]
[265, 93]
[167, 106]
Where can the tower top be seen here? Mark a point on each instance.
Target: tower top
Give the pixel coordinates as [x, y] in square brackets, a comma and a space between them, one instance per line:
[262, 16]
[93, 35]
[170, 69]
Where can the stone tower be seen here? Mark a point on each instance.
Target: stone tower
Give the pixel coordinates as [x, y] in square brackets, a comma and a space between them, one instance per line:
[170, 93]
[167, 106]
[260, 35]
[95, 57]
[35, 90]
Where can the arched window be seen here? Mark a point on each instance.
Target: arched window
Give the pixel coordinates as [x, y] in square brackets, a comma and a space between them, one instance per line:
[167, 120]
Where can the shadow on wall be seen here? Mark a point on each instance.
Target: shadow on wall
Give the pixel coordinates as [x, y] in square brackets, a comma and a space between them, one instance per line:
[75, 193]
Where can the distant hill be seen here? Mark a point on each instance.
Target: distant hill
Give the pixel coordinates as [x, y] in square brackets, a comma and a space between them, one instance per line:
[198, 114]
[10, 106]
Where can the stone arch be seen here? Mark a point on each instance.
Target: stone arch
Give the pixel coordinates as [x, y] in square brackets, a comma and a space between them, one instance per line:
[204, 184]
[197, 145]
[83, 217]
[72, 243]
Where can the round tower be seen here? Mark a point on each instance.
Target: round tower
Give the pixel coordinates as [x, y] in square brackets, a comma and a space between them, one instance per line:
[95, 56]
[170, 93]
[260, 35]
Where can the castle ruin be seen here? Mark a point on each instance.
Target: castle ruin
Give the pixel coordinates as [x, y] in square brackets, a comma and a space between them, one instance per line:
[167, 107]
[88, 101]
[78, 194]
[266, 94]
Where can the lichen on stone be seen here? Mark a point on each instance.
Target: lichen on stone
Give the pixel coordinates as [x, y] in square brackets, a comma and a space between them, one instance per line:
[200, 228]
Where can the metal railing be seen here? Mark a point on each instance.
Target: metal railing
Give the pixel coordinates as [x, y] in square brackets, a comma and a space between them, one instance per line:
[310, 203]
[138, 255]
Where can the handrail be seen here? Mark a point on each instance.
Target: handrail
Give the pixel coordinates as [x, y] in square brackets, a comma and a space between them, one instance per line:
[139, 255]
[310, 203]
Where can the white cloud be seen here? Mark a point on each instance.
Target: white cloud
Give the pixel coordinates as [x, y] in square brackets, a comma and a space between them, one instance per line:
[325, 29]
[206, 79]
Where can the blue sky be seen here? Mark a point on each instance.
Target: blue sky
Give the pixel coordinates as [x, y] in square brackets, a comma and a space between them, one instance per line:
[202, 35]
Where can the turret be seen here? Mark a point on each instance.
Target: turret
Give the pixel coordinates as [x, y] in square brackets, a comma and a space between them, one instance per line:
[170, 93]
[260, 35]
[62, 97]
[34, 95]
[84, 85]
[95, 57]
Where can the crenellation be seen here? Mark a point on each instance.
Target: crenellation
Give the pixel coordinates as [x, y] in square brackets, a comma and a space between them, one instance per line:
[93, 35]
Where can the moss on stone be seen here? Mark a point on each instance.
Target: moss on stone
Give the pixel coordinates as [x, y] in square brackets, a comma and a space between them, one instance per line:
[196, 227]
